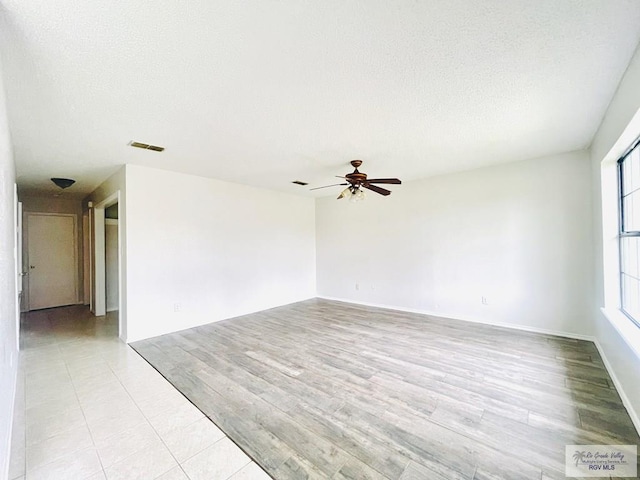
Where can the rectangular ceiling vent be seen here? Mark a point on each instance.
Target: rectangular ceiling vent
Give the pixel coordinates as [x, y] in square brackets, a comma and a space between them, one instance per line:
[298, 182]
[146, 146]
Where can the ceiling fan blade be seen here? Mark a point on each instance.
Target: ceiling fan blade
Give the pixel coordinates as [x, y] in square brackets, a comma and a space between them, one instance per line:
[394, 181]
[373, 188]
[327, 186]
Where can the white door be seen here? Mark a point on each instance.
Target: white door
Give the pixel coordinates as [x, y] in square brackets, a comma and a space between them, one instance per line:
[52, 269]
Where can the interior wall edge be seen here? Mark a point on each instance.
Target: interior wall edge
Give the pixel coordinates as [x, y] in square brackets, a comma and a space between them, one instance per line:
[619, 128]
[9, 306]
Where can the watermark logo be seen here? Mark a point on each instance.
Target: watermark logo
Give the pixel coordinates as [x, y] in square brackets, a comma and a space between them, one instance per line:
[601, 461]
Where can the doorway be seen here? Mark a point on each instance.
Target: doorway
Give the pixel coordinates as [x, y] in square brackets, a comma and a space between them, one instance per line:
[52, 271]
[111, 256]
[106, 260]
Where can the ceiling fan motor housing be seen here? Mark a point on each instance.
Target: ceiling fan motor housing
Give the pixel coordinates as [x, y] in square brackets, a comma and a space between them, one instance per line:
[356, 178]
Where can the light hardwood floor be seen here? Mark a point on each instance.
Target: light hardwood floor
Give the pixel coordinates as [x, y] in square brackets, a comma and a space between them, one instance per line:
[323, 389]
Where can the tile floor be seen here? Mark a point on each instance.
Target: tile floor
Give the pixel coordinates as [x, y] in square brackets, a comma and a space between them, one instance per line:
[89, 407]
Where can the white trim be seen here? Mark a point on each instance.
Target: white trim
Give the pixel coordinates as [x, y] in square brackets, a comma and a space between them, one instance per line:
[100, 288]
[99, 220]
[18, 251]
[607, 365]
[524, 328]
[99, 271]
[4, 473]
[91, 259]
[86, 259]
[113, 222]
[625, 400]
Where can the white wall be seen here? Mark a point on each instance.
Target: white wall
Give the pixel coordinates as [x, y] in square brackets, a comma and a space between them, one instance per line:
[111, 263]
[518, 234]
[8, 299]
[618, 337]
[215, 249]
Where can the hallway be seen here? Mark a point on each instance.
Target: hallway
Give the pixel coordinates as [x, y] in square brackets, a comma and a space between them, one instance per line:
[89, 407]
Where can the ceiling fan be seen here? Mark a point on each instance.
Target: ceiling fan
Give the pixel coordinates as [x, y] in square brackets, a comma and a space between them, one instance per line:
[357, 180]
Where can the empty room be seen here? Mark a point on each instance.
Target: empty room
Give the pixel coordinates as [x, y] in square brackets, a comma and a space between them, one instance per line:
[319, 240]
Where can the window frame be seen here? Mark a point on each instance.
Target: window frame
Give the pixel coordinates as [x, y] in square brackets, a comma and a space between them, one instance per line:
[622, 232]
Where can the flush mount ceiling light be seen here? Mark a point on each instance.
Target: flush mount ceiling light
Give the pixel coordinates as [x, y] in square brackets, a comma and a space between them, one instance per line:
[146, 146]
[63, 182]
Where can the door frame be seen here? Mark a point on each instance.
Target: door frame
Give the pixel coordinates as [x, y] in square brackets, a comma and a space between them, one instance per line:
[19, 267]
[112, 222]
[27, 260]
[99, 287]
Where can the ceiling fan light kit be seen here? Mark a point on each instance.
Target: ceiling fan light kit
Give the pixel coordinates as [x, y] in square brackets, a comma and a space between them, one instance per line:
[354, 194]
[357, 180]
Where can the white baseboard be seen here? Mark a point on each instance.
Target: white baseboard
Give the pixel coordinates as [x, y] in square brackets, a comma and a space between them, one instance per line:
[524, 328]
[4, 468]
[202, 321]
[625, 400]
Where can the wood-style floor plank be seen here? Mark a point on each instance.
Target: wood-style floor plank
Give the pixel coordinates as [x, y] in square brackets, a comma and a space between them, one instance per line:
[323, 389]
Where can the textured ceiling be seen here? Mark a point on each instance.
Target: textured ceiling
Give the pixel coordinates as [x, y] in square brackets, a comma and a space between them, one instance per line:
[263, 92]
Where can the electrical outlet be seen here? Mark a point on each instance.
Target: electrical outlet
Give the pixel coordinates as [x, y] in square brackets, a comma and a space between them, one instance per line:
[177, 307]
[357, 286]
[484, 301]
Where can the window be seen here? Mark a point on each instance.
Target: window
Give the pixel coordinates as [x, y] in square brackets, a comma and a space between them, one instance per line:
[629, 181]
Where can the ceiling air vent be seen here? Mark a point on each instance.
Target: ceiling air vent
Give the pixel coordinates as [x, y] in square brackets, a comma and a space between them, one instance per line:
[146, 146]
[298, 182]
